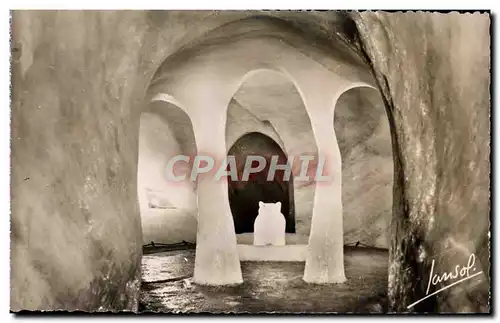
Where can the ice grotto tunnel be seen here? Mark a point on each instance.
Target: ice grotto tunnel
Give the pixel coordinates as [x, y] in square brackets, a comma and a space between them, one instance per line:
[80, 143]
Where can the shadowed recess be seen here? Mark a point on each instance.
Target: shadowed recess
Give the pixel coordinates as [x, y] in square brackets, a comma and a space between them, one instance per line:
[244, 196]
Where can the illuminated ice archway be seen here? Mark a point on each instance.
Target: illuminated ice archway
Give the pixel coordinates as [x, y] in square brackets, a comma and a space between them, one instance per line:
[203, 79]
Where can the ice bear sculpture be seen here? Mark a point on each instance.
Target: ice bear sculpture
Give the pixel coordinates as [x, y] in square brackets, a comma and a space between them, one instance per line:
[269, 226]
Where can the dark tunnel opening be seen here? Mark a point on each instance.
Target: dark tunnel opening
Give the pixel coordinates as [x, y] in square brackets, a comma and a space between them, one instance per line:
[244, 196]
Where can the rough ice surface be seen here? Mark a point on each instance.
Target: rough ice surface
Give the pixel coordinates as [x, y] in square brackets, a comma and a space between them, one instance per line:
[270, 287]
[440, 111]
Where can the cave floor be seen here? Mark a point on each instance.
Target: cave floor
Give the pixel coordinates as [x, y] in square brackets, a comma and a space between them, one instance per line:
[268, 287]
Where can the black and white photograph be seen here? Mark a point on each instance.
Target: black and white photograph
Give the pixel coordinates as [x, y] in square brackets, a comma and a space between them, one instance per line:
[251, 162]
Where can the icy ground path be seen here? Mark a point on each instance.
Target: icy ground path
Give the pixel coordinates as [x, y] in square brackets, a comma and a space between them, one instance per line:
[267, 287]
